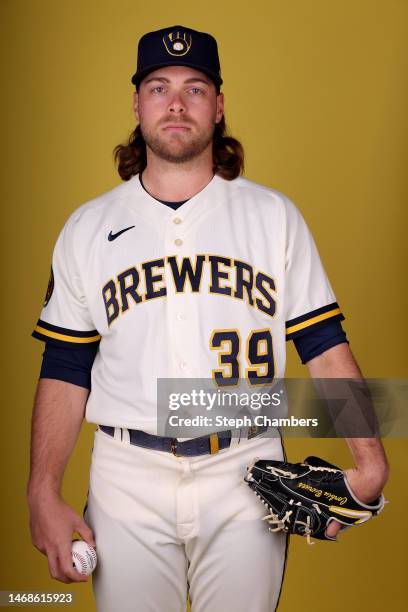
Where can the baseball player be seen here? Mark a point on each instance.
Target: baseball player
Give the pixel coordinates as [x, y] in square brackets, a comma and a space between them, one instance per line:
[185, 270]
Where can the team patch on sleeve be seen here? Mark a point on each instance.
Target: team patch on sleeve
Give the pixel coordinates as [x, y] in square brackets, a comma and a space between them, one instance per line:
[60, 335]
[50, 288]
[313, 320]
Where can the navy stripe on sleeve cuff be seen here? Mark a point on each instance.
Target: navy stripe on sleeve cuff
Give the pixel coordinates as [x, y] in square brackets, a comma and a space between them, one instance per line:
[69, 364]
[318, 340]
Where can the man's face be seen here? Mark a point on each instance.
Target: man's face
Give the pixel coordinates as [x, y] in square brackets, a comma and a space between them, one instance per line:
[177, 109]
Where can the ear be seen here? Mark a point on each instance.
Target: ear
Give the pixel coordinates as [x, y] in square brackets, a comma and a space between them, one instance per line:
[135, 105]
[220, 108]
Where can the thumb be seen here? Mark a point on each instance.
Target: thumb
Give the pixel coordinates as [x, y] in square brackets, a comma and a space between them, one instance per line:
[332, 529]
[86, 533]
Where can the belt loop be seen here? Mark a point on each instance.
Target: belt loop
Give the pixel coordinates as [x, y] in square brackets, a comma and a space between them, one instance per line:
[252, 432]
[235, 438]
[173, 446]
[243, 434]
[214, 444]
[118, 434]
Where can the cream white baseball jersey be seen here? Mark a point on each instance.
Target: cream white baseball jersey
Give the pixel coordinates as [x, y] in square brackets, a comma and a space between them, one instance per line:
[213, 289]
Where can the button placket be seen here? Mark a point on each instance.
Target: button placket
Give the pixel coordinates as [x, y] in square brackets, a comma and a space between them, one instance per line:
[177, 243]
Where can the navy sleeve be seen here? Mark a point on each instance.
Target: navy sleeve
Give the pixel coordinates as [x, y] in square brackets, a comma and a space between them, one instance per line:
[317, 340]
[67, 363]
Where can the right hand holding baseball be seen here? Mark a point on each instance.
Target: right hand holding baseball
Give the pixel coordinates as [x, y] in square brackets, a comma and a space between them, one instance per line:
[52, 525]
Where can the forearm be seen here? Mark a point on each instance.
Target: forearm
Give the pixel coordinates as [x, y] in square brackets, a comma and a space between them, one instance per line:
[338, 362]
[58, 413]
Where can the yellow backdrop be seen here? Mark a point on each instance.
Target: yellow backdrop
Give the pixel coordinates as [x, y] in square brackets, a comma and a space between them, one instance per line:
[317, 92]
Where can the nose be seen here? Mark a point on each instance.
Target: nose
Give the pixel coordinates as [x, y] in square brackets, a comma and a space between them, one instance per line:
[176, 104]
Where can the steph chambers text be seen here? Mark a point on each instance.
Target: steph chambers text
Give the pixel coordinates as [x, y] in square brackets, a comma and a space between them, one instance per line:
[237, 422]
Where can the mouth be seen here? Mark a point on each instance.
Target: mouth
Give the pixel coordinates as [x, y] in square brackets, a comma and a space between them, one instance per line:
[176, 127]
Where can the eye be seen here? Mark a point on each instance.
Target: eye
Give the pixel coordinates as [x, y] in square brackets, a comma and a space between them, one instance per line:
[196, 90]
[157, 89]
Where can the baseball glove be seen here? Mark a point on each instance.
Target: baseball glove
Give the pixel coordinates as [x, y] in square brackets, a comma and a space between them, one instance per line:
[303, 498]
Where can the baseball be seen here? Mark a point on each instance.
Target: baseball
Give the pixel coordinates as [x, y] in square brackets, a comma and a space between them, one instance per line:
[83, 557]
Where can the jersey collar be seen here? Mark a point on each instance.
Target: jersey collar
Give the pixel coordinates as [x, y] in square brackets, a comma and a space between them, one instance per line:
[142, 203]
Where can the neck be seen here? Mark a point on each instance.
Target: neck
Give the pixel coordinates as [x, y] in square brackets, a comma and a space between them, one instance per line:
[175, 182]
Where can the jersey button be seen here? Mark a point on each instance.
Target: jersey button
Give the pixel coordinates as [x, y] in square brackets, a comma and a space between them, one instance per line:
[183, 365]
[181, 316]
[178, 242]
[177, 220]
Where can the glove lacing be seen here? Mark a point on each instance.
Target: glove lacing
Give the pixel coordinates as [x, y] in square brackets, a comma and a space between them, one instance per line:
[280, 523]
[273, 519]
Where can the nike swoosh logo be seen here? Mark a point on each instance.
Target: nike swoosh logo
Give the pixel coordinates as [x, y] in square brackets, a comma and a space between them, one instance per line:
[114, 236]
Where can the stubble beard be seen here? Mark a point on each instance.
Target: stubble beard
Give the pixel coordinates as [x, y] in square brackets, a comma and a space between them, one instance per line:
[177, 148]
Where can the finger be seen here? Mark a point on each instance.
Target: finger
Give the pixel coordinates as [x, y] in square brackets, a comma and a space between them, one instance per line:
[67, 566]
[86, 533]
[71, 573]
[54, 569]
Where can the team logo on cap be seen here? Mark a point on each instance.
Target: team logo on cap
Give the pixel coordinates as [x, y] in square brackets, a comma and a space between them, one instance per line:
[177, 43]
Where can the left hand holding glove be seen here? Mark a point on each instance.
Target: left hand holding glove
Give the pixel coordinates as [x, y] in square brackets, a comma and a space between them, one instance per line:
[314, 498]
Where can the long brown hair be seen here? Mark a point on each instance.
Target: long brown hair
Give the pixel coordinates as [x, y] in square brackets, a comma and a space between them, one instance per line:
[228, 154]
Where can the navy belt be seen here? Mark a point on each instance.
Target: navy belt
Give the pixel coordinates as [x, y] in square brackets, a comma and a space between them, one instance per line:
[206, 445]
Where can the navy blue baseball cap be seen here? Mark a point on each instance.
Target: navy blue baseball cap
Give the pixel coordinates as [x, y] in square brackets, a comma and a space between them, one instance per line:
[177, 46]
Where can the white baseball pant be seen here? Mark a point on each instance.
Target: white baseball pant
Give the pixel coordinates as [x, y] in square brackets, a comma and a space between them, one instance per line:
[165, 524]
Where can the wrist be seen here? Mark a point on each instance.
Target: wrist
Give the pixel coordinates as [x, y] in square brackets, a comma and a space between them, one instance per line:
[378, 470]
[38, 491]
[368, 482]
[369, 457]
